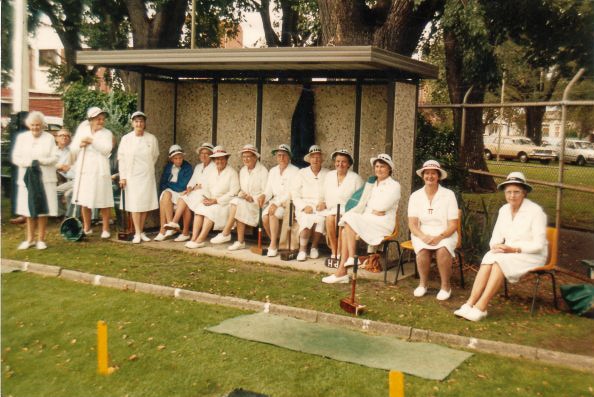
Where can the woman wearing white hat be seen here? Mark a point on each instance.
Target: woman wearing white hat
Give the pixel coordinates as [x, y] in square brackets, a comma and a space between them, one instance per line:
[92, 146]
[193, 196]
[373, 218]
[277, 194]
[35, 154]
[173, 183]
[518, 244]
[433, 223]
[339, 186]
[244, 209]
[219, 188]
[137, 155]
[308, 198]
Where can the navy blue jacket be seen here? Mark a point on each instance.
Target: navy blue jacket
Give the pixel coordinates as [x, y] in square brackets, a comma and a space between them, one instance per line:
[185, 173]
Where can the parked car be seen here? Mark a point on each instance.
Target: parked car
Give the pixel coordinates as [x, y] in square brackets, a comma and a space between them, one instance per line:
[517, 148]
[577, 152]
[54, 124]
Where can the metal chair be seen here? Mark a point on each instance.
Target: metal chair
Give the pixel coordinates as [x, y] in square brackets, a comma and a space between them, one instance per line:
[549, 268]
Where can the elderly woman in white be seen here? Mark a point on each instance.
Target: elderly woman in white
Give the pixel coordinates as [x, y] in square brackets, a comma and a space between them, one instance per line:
[193, 196]
[339, 186]
[433, 223]
[373, 218]
[92, 146]
[277, 194]
[518, 244]
[137, 155]
[220, 186]
[308, 198]
[244, 209]
[36, 154]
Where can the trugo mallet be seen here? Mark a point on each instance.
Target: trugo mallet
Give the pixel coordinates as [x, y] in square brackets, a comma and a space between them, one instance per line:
[348, 304]
[259, 250]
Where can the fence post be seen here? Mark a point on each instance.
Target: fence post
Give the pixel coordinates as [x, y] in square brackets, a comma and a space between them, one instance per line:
[463, 126]
[562, 148]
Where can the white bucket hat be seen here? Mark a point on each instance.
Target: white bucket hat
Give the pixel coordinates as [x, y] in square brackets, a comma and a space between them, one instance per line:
[94, 111]
[138, 113]
[283, 147]
[175, 149]
[342, 152]
[206, 145]
[515, 178]
[383, 157]
[432, 165]
[312, 149]
[219, 151]
[251, 149]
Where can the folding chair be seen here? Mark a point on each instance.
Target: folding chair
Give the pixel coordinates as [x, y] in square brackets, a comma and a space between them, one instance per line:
[549, 268]
[392, 239]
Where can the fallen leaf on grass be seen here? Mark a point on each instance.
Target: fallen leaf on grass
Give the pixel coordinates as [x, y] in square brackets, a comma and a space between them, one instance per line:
[160, 347]
[133, 357]
[73, 341]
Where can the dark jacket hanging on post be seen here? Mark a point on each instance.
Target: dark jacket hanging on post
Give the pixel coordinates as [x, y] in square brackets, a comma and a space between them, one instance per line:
[303, 129]
[36, 192]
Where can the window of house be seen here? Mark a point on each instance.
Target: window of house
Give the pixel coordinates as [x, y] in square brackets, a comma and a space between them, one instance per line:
[48, 58]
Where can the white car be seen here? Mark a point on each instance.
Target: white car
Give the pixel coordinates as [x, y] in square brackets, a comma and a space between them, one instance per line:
[578, 152]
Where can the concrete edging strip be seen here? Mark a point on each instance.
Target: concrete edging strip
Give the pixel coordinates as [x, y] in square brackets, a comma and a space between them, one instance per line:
[573, 361]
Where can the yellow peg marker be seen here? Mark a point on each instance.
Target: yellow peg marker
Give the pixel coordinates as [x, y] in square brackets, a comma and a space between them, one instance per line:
[102, 357]
[396, 384]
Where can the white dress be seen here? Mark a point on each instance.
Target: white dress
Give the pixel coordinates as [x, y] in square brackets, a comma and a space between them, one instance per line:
[527, 231]
[195, 197]
[278, 188]
[221, 186]
[137, 156]
[335, 193]
[433, 217]
[308, 190]
[43, 149]
[372, 229]
[94, 175]
[253, 183]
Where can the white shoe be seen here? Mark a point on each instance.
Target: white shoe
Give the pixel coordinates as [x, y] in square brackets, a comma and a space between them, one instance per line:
[171, 226]
[314, 253]
[137, 239]
[41, 245]
[333, 279]
[220, 238]
[181, 238]
[272, 252]
[349, 262]
[420, 291]
[159, 237]
[169, 233]
[194, 244]
[443, 295]
[88, 232]
[26, 244]
[463, 310]
[144, 237]
[301, 256]
[236, 246]
[474, 314]
[105, 234]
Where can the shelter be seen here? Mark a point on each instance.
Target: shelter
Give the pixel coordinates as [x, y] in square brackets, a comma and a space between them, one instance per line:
[365, 99]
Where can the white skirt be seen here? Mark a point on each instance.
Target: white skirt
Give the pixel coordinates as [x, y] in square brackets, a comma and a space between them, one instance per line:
[174, 196]
[193, 199]
[513, 265]
[306, 221]
[217, 213]
[96, 193]
[247, 213]
[371, 228]
[449, 243]
[51, 195]
[140, 197]
[279, 213]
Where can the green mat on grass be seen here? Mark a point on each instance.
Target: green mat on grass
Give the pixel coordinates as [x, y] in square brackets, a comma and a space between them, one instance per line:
[425, 360]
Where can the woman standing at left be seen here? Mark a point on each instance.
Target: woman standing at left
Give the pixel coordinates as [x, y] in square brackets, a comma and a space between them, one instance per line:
[137, 155]
[91, 146]
[35, 154]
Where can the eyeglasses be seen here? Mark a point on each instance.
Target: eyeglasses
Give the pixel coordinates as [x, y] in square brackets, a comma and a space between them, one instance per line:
[63, 136]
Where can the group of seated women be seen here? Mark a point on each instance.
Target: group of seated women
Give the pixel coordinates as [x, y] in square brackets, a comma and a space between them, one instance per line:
[334, 203]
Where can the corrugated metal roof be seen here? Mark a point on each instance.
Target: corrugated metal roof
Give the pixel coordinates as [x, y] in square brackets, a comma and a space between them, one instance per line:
[356, 61]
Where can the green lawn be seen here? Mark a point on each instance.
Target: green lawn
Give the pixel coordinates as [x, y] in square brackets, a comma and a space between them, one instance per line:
[161, 349]
[574, 211]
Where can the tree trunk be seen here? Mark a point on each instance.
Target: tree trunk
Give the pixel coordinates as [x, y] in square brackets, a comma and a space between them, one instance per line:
[534, 117]
[343, 23]
[472, 148]
[162, 30]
